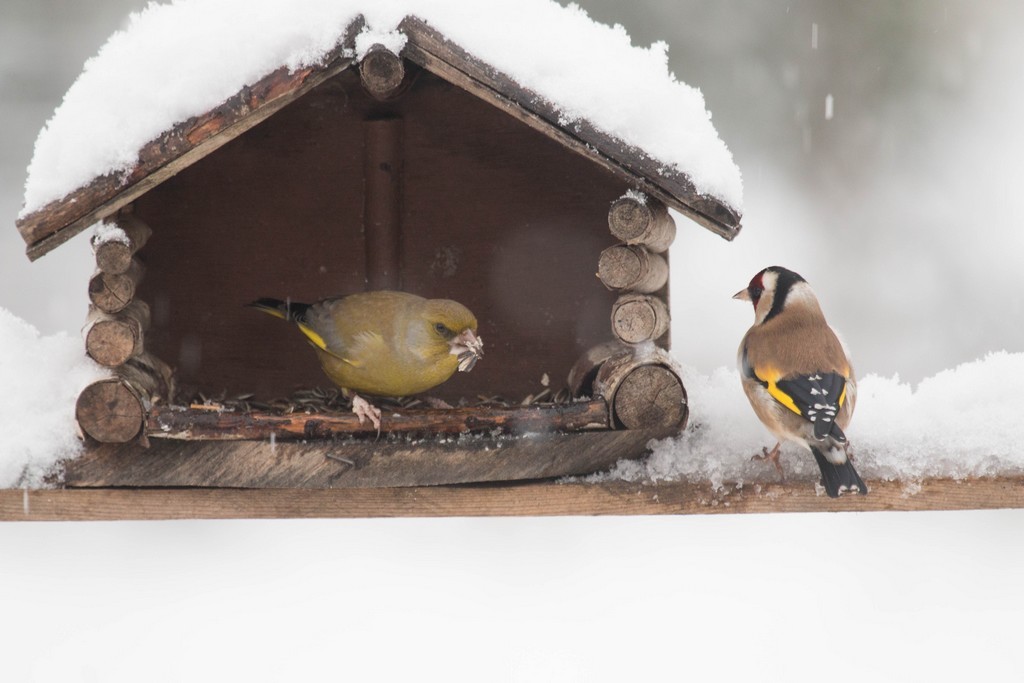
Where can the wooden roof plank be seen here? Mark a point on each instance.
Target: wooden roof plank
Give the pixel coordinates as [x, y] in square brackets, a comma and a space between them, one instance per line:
[533, 499]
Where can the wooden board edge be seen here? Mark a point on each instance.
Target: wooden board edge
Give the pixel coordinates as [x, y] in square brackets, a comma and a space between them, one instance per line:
[354, 463]
[528, 499]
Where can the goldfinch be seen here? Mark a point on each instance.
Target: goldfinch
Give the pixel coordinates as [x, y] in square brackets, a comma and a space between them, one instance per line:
[384, 343]
[797, 376]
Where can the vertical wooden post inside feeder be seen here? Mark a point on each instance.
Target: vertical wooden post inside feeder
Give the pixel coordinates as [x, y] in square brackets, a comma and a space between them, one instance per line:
[381, 72]
[382, 211]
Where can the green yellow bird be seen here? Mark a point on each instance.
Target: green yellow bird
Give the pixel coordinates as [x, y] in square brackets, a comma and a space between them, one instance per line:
[385, 343]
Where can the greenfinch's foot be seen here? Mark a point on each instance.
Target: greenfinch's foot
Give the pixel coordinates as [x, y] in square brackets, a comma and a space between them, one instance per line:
[364, 411]
[773, 457]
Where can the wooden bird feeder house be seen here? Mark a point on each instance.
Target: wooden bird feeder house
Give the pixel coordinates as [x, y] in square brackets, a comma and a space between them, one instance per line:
[427, 171]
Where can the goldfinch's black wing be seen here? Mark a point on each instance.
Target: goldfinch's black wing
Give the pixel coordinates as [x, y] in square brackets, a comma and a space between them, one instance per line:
[818, 396]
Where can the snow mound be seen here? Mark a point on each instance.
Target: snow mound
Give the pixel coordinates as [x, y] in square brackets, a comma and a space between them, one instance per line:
[179, 60]
[40, 379]
[960, 423]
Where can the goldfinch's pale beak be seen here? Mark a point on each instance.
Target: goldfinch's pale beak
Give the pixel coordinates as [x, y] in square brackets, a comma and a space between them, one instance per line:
[742, 295]
[468, 348]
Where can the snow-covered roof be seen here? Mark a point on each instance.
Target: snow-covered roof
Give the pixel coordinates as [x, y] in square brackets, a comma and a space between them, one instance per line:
[178, 61]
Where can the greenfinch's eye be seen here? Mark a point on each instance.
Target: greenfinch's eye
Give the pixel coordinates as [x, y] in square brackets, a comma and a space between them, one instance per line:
[443, 330]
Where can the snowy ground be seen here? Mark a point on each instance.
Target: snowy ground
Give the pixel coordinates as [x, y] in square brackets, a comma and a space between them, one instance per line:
[845, 597]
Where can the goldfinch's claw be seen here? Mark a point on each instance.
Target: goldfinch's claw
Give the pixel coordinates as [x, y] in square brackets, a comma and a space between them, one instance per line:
[365, 411]
[773, 457]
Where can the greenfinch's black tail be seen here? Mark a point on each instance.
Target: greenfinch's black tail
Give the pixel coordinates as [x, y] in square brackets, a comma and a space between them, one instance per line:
[838, 478]
[294, 312]
[286, 310]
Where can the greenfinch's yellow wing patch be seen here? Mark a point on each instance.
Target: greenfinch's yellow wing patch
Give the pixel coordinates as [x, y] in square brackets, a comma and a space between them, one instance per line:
[318, 341]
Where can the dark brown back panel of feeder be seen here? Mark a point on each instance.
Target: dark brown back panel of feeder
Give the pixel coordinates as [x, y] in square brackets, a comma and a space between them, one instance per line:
[493, 214]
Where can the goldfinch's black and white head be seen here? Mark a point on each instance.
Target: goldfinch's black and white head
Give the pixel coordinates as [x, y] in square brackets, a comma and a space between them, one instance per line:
[775, 289]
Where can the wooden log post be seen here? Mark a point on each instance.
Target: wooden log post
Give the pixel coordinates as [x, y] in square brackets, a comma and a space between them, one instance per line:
[632, 267]
[111, 339]
[636, 218]
[117, 241]
[584, 371]
[114, 409]
[641, 385]
[382, 213]
[638, 318]
[381, 72]
[644, 390]
[112, 292]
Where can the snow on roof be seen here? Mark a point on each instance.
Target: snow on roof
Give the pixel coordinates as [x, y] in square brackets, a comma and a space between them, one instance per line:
[182, 59]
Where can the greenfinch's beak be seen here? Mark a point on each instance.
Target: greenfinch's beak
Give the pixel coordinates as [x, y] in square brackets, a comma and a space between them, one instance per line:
[468, 348]
[742, 295]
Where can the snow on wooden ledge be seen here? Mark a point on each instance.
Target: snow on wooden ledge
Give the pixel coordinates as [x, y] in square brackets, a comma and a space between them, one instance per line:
[536, 499]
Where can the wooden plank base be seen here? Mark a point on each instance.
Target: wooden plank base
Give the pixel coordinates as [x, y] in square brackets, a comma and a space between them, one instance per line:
[534, 499]
[354, 462]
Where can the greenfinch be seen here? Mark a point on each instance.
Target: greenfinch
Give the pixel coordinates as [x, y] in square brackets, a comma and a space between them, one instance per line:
[384, 343]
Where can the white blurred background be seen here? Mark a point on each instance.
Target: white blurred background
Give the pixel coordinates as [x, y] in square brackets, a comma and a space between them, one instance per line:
[902, 209]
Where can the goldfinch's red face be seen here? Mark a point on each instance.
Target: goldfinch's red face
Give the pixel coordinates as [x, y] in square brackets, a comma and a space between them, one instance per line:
[753, 291]
[756, 288]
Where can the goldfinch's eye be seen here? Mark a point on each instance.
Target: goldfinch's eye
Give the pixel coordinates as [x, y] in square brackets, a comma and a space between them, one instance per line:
[443, 330]
[755, 293]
